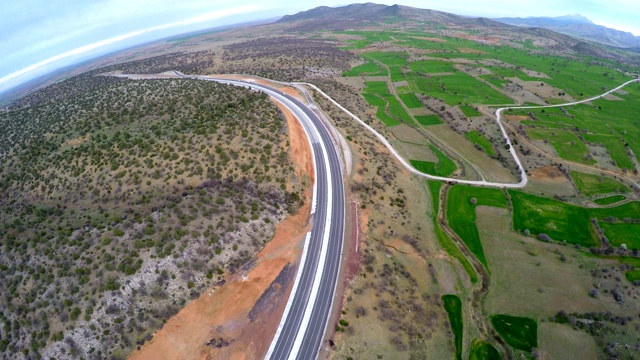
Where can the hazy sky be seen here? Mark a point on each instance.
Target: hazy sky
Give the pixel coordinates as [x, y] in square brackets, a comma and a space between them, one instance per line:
[37, 36]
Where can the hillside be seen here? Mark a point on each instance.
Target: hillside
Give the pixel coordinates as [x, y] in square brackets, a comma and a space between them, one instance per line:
[370, 15]
[358, 15]
[578, 26]
[123, 202]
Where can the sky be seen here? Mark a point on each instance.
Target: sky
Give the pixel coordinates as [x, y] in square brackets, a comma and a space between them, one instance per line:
[39, 36]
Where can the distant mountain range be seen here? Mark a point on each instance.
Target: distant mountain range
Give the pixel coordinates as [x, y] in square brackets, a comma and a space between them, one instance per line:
[578, 26]
[354, 15]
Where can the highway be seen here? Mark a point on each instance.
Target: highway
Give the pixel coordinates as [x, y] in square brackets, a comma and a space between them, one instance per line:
[300, 333]
[304, 322]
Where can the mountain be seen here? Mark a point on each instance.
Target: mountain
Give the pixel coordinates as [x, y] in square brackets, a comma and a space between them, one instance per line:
[356, 15]
[578, 26]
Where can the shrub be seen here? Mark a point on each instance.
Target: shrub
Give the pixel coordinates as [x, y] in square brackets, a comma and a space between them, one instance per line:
[544, 237]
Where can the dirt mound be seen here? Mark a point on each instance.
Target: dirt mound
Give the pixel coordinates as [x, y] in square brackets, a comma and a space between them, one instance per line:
[547, 173]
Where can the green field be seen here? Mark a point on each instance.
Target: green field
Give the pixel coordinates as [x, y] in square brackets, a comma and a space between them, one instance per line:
[478, 139]
[461, 213]
[590, 185]
[461, 88]
[376, 87]
[482, 350]
[579, 77]
[396, 109]
[454, 308]
[633, 275]
[429, 120]
[567, 144]
[622, 233]
[617, 150]
[385, 102]
[454, 87]
[519, 332]
[431, 66]
[609, 200]
[396, 73]
[450, 247]
[444, 167]
[561, 221]
[629, 210]
[593, 123]
[445, 242]
[469, 111]
[381, 111]
[368, 69]
[388, 58]
[411, 101]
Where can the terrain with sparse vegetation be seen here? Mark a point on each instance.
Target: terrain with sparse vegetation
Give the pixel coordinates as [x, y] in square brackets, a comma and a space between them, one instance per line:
[121, 199]
[121, 204]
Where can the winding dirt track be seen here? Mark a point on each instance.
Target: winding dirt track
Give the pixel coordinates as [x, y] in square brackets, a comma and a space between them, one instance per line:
[523, 182]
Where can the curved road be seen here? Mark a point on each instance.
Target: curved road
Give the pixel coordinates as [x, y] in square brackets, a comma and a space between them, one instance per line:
[523, 176]
[304, 322]
[303, 325]
[305, 319]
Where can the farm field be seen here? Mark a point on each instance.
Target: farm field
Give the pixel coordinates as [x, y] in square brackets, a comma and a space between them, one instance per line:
[560, 221]
[429, 120]
[165, 189]
[454, 308]
[461, 213]
[609, 200]
[445, 242]
[629, 210]
[479, 139]
[482, 350]
[557, 285]
[566, 143]
[449, 80]
[622, 233]
[571, 128]
[444, 166]
[590, 185]
[519, 332]
[368, 69]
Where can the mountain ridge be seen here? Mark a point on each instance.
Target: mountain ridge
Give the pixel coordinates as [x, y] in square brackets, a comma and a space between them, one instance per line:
[333, 17]
[578, 26]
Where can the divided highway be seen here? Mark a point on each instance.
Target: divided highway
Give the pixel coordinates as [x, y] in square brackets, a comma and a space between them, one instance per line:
[304, 322]
[303, 325]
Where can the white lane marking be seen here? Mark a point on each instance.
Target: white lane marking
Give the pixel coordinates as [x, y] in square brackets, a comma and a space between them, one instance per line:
[323, 256]
[323, 253]
[296, 283]
[335, 285]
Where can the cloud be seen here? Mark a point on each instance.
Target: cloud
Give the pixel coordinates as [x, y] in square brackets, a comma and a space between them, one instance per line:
[5, 81]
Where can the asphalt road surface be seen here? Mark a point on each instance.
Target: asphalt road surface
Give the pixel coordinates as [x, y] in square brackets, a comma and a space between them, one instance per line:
[303, 326]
